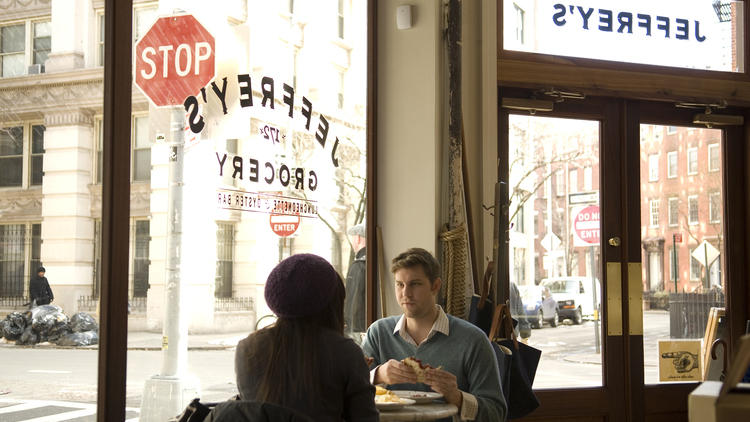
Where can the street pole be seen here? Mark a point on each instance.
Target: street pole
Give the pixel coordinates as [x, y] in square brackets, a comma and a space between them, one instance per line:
[167, 393]
[707, 277]
[595, 298]
[674, 260]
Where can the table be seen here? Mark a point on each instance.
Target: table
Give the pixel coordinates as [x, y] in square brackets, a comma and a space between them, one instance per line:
[419, 412]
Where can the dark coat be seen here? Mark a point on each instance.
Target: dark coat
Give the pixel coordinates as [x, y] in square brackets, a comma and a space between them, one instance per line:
[40, 291]
[354, 304]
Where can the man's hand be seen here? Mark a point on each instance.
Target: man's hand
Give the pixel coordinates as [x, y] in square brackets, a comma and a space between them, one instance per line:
[395, 372]
[444, 383]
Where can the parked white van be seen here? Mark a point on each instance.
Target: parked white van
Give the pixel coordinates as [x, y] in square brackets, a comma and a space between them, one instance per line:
[574, 296]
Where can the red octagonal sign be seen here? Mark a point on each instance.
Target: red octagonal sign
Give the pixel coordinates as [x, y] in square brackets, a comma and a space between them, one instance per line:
[174, 60]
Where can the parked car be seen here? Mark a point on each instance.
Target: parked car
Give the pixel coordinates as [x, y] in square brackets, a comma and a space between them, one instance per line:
[574, 296]
[539, 306]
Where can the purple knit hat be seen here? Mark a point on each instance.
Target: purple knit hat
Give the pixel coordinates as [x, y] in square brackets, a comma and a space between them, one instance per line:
[301, 285]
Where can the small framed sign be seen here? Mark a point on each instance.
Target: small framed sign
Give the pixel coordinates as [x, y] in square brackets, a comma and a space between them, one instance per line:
[680, 360]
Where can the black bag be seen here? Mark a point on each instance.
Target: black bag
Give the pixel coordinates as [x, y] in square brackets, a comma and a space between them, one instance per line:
[519, 367]
[480, 311]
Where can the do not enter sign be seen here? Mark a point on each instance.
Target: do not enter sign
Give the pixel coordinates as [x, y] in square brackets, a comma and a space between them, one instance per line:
[174, 60]
[586, 227]
[284, 225]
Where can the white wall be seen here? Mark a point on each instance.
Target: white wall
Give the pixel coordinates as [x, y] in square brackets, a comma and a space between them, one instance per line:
[411, 115]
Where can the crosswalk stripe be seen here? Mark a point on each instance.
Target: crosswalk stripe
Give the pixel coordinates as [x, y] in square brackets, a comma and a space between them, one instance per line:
[73, 410]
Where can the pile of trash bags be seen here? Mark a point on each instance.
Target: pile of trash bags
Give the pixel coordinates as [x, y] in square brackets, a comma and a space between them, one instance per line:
[47, 323]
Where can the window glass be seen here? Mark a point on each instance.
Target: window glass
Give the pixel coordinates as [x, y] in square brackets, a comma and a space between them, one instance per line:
[37, 154]
[653, 167]
[681, 261]
[42, 41]
[696, 35]
[672, 164]
[12, 45]
[692, 161]
[558, 251]
[141, 149]
[713, 157]
[654, 205]
[11, 156]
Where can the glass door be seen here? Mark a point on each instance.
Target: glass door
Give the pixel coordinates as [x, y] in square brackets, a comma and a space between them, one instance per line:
[617, 242]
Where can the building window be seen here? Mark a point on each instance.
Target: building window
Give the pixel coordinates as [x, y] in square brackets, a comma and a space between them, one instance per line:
[692, 161]
[653, 167]
[99, 150]
[693, 209]
[671, 130]
[340, 96]
[224, 259]
[141, 260]
[573, 181]
[672, 164]
[560, 182]
[20, 256]
[17, 161]
[12, 46]
[42, 42]
[674, 209]
[340, 19]
[674, 264]
[519, 265]
[519, 23]
[100, 38]
[588, 173]
[97, 276]
[695, 267]
[143, 18]
[713, 157]
[141, 150]
[714, 203]
[518, 226]
[654, 211]
[37, 154]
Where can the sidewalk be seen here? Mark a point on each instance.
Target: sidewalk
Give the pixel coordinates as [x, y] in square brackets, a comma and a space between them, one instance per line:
[143, 340]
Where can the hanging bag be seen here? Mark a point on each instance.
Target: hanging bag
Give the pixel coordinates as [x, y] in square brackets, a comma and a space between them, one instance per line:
[480, 311]
[519, 367]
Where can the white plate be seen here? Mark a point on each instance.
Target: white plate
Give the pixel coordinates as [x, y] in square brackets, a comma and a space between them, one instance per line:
[418, 396]
[394, 405]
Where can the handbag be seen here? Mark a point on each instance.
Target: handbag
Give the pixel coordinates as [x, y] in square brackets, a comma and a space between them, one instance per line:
[480, 311]
[519, 366]
[199, 412]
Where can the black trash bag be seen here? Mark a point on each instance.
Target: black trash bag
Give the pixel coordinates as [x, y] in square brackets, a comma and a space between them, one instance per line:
[13, 326]
[29, 337]
[85, 338]
[45, 320]
[82, 321]
[59, 330]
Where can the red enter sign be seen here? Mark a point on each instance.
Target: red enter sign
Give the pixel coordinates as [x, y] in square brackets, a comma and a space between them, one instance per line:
[284, 225]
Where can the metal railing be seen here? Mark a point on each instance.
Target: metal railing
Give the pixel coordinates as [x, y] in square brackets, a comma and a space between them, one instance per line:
[233, 304]
[15, 303]
[87, 303]
[688, 312]
[138, 305]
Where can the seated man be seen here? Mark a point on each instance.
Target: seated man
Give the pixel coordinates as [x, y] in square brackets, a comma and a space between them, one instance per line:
[461, 364]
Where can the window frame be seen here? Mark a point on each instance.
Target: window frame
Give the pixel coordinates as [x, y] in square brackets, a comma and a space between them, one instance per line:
[98, 170]
[673, 158]
[653, 167]
[711, 204]
[715, 148]
[27, 155]
[28, 44]
[673, 200]
[692, 170]
[693, 199]
[654, 212]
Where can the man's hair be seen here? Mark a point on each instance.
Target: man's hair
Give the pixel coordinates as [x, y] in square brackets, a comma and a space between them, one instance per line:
[417, 257]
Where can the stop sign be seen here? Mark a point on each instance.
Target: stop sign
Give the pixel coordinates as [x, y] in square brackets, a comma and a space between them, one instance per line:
[284, 225]
[586, 226]
[174, 60]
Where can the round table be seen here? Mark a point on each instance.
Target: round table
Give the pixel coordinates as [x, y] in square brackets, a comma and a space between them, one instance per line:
[419, 412]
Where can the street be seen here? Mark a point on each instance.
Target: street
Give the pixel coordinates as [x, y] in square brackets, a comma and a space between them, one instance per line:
[35, 380]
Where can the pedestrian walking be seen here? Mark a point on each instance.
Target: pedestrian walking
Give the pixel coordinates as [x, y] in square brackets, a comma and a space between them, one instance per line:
[39, 290]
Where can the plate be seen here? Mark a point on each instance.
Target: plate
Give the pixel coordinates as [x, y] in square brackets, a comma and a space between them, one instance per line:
[394, 405]
[418, 396]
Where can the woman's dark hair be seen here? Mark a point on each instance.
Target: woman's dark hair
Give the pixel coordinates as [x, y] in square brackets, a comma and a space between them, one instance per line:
[291, 355]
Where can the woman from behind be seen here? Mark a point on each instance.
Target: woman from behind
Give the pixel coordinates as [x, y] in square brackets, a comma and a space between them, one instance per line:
[304, 361]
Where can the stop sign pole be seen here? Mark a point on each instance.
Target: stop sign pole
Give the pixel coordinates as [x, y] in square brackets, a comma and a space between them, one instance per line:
[174, 60]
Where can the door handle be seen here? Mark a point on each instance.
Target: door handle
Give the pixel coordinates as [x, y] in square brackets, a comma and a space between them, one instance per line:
[614, 241]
